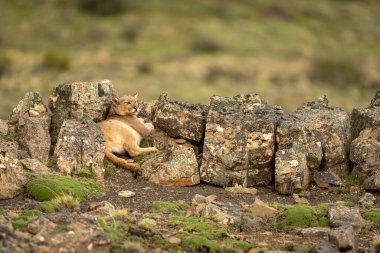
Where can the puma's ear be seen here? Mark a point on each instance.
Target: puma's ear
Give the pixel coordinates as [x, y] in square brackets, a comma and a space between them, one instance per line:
[136, 95]
[115, 99]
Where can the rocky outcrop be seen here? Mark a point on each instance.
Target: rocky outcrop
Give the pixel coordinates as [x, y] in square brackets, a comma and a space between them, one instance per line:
[239, 141]
[31, 121]
[366, 118]
[315, 137]
[176, 165]
[46, 234]
[80, 148]
[12, 174]
[340, 215]
[365, 156]
[77, 100]
[180, 120]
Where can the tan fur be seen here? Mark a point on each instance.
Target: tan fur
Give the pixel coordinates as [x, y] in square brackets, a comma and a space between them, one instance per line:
[124, 131]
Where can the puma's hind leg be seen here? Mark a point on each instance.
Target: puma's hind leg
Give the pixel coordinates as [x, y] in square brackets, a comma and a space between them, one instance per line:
[135, 150]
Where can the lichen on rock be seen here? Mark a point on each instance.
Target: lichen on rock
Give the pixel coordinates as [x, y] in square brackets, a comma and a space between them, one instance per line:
[239, 141]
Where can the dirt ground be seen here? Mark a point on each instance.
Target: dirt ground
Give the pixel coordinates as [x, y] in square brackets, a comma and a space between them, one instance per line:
[146, 192]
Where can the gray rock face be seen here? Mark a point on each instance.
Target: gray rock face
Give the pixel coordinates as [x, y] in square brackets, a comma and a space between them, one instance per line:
[77, 100]
[366, 118]
[35, 166]
[80, 148]
[32, 122]
[365, 156]
[325, 178]
[340, 215]
[12, 174]
[315, 136]
[177, 165]
[239, 141]
[344, 238]
[325, 247]
[180, 120]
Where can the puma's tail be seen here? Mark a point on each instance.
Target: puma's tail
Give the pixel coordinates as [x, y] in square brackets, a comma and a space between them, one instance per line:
[122, 163]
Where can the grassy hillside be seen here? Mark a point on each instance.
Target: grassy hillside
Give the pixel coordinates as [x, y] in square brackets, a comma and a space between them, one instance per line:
[287, 51]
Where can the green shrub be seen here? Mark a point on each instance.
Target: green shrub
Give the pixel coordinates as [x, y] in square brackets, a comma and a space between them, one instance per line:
[47, 187]
[47, 206]
[66, 201]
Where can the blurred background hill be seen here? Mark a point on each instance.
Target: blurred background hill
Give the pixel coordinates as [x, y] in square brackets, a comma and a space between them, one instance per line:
[289, 52]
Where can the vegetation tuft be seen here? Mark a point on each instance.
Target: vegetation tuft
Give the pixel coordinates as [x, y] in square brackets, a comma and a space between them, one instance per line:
[373, 215]
[164, 207]
[23, 220]
[108, 167]
[66, 201]
[47, 187]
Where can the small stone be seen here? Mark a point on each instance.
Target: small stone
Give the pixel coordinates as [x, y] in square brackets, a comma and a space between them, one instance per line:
[368, 199]
[262, 209]
[240, 190]
[126, 194]
[147, 222]
[344, 238]
[180, 141]
[315, 232]
[300, 200]
[35, 165]
[174, 240]
[325, 247]
[252, 224]
[325, 178]
[103, 207]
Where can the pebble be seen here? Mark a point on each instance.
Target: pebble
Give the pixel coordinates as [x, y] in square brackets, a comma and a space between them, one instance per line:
[174, 240]
[126, 194]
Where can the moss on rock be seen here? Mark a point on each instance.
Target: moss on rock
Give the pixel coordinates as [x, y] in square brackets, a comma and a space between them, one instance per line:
[373, 215]
[164, 207]
[23, 220]
[301, 215]
[47, 187]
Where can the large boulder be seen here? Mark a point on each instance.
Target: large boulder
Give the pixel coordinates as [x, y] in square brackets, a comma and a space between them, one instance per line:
[12, 173]
[365, 156]
[77, 100]
[80, 148]
[31, 123]
[340, 215]
[239, 143]
[180, 120]
[366, 118]
[315, 137]
[176, 165]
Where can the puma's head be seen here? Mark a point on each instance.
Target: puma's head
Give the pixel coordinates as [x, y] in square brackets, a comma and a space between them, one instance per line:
[125, 105]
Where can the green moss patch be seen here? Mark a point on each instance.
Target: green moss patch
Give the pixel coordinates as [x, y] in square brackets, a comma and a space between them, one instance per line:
[301, 216]
[108, 167]
[373, 215]
[23, 220]
[198, 243]
[164, 207]
[237, 246]
[47, 206]
[47, 187]
[354, 180]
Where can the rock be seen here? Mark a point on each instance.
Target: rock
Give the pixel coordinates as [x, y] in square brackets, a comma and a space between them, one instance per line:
[314, 131]
[344, 238]
[262, 209]
[340, 215]
[126, 194]
[241, 190]
[224, 213]
[77, 100]
[35, 165]
[325, 178]
[180, 120]
[365, 118]
[102, 207]
[4, 129]
[12, 174]
[299, 200]
[250, 225]
[31, 119]
[147, 222]
[80, 148]
[132, 247]
[368, 199]
[325, 247]
[239, 141]
[146, 110]
[365, 156]
[174, 240]
[177, 165]
[315, 232]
